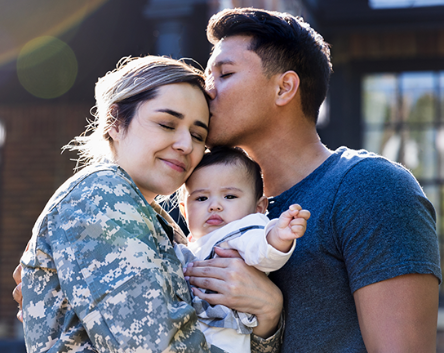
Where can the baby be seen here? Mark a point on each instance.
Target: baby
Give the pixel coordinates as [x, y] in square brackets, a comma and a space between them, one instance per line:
[224, 206]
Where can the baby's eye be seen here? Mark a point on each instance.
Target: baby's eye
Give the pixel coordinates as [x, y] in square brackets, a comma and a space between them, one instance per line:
[202, 198]
[230, 197]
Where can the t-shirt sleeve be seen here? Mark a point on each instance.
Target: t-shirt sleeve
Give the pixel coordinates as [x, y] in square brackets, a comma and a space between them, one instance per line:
[384, 224]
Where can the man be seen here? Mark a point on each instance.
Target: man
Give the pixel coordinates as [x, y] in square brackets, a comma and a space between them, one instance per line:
[365, 276]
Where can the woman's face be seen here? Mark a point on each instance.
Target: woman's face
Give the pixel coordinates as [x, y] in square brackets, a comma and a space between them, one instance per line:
[165, 140]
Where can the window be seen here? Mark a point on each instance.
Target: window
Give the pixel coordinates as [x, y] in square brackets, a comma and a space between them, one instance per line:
[403, 118]
[395, 4]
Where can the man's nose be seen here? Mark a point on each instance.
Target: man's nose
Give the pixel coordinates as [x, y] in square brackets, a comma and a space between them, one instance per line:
[210, 87]
[211, 92]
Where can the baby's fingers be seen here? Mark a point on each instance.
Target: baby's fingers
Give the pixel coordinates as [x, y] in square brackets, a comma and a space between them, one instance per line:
[298, 227]
[305, 214]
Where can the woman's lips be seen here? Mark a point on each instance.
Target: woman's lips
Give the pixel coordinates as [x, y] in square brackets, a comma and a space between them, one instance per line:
[215, 220]
[175, 164]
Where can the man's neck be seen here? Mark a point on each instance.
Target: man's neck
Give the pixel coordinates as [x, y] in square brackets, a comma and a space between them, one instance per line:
[287, 160]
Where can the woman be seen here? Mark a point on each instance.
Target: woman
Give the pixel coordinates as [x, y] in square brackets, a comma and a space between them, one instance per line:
[101, 273]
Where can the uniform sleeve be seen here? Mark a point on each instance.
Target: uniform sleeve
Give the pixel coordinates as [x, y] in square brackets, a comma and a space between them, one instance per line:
[45, 329]
[384, 225]
[253, 246]
[271, 344]
[118, 272]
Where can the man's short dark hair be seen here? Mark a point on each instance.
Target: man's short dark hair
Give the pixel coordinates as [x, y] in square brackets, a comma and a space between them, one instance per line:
[283, 42]
[237, 156]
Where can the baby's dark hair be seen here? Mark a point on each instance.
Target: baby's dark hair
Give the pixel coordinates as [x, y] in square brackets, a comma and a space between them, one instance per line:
[235, 155]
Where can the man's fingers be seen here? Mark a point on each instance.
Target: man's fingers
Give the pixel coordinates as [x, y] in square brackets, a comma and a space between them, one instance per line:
[213, 298]
[221, 262]
[214, 285]
[20, 315]
[194, 270]
[227, 253]
[17, 294]
[17, 274]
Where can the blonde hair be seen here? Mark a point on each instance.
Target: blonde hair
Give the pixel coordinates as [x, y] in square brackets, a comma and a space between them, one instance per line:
[118, 95]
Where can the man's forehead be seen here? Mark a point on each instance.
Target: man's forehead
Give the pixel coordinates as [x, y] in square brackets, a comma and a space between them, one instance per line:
[227, 51]
[216, 57]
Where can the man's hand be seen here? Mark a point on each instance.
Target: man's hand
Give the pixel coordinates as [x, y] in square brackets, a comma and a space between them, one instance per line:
[17, 292]
[238, 287]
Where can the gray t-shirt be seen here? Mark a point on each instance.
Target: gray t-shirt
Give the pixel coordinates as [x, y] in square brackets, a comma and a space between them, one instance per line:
[370, 221]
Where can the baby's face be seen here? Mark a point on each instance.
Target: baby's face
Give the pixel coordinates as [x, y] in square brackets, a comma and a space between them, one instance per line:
[217, 195]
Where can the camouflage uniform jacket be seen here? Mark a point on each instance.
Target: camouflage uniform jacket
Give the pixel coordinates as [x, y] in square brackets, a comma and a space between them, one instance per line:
[101, 274]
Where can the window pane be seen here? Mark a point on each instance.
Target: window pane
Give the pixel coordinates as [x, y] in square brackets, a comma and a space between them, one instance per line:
[379, 98]
[441, 91]
[420, 153]
[418, 96]
[373, 140]
[440, 150]
[433, 194]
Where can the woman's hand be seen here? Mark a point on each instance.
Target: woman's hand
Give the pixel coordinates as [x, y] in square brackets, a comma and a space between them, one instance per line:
[17, 292]
[238, 287]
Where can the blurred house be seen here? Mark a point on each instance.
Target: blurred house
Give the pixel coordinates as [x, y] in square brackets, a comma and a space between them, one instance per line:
[386, 93]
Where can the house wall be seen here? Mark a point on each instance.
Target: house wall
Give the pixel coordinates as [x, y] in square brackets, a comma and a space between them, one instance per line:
[32, 168]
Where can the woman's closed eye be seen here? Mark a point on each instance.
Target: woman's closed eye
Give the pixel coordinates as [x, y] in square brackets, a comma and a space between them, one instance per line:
[198, 137]
[167, 127]
[225, 75]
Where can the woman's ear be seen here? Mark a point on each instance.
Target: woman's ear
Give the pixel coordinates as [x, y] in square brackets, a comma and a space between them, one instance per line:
[288, 86]
[115, 131]
[261, 205]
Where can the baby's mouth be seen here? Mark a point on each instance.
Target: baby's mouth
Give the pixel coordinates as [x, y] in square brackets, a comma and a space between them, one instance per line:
[214, 220]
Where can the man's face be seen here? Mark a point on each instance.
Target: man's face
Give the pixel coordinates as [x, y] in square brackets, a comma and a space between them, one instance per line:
[242, 96]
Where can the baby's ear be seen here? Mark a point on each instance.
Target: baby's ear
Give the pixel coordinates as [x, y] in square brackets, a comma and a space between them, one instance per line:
[182, 209]
[261, 205]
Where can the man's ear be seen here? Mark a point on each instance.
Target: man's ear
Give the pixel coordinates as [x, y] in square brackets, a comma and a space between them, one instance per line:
[261, 205]
[183, 210]
[288, 86]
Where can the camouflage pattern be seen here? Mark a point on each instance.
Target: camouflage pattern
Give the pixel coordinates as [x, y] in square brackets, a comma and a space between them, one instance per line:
[101, 274]
[269, 345]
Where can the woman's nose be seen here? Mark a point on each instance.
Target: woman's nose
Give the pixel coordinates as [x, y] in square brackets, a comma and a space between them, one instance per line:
[184, 142]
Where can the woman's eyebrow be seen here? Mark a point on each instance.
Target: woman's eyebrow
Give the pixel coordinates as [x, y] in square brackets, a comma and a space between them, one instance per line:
[201, 124]
[181, 117]
[171, 112]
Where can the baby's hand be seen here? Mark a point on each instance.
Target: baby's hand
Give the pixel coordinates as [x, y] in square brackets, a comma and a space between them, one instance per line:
[290, 226]
[292, 223]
